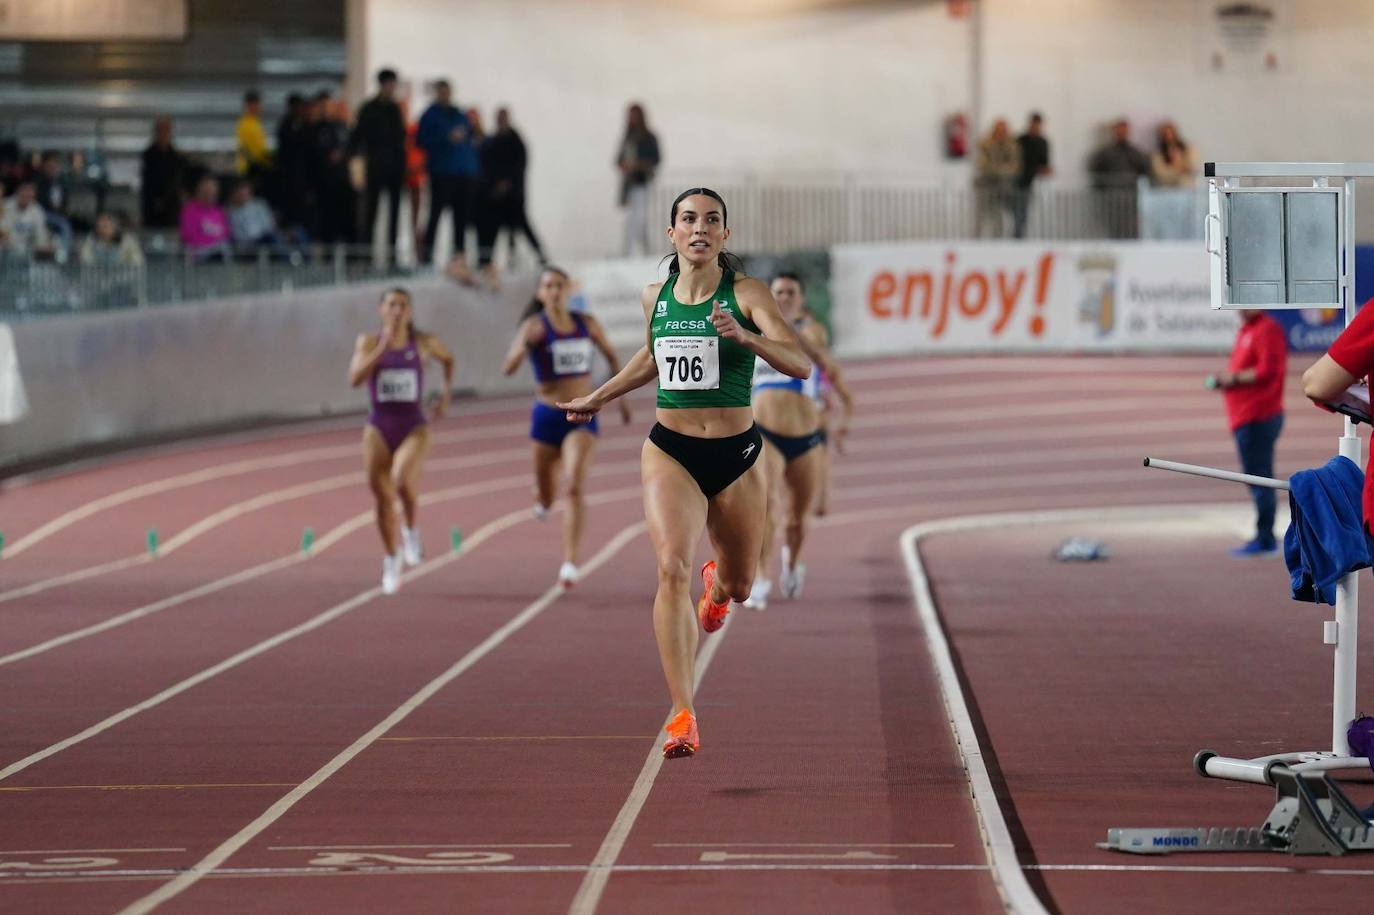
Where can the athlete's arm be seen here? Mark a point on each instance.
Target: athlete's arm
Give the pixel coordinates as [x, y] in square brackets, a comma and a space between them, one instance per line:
[639, 371]
[603, 343]
[367, 352]
[434, 348]
[1326, 380]
[816, 340]
[518, 346]
[778, 344]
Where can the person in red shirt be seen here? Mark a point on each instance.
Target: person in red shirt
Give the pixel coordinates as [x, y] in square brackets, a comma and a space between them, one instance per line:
[1253, 388]
[1350, 359]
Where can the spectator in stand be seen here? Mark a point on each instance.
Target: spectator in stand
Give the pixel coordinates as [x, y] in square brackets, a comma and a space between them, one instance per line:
[109, 246]
[54, 194]
[379, 136]
[637, 158]
[504, 160]
[163, 178]
[24, 224]
[999, 165]
[479, 132]
[1172, 163]
[204, 227]
[1116, 167]
[251, 223]
[335, 202]
[416, 180]
[295, 163]
[253, 158]
[11, 166]
[1253, 388]
[448, 140]
[1035, 163]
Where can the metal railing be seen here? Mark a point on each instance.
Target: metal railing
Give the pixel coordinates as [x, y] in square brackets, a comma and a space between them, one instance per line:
[806, 215]
[49, 285]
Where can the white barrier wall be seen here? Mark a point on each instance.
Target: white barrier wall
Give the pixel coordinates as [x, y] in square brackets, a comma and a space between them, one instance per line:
[1024, 297]
[100, 378]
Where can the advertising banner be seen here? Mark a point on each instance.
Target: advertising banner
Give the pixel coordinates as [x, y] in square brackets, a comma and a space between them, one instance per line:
[1024, 297]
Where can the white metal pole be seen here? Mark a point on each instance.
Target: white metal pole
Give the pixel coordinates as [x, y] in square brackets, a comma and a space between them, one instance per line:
[1214, 473]
[1347, 589]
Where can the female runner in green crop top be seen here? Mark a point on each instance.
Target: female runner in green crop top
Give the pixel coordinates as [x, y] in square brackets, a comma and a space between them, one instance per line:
[700, 465]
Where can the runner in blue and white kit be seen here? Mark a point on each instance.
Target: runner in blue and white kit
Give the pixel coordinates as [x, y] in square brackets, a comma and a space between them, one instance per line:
[560, 344]
[788, 413]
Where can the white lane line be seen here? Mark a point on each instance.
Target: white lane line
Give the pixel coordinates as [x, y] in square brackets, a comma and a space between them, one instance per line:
[388, 847]
[484, 533]
[1002, 855]
[68, 578]
[284, 431]
[1015, 891]
[264, 500]
[221, 471]
[227, 848]
[1183, 869]
[327, 540]
[599, 871]
[126, 875]
[383, 870]
[803, 845]
[230, 873]
[85, 851]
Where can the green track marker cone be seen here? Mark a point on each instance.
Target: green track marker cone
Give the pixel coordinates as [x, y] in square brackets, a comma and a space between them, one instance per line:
[2, 544]
[455, 539]
[152, 541]
[307, 539]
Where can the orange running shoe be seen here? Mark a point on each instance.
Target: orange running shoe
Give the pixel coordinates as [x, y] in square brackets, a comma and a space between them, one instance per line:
[682, 734]
[711, 616]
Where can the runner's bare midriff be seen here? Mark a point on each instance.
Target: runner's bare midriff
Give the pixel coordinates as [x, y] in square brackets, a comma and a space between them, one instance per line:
[562, 390]
[707, 422]
[786, 412]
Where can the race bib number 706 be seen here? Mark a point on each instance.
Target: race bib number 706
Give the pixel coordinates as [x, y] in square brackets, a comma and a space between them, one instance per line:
[688, 363]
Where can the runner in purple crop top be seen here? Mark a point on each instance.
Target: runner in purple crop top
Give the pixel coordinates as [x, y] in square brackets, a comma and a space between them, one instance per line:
[396, 436]
[560, 344]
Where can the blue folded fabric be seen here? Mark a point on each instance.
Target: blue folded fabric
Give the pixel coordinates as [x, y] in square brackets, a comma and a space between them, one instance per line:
[1326, 539]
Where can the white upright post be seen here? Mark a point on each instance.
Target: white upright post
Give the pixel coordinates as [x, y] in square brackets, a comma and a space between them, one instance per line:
[1348, 588]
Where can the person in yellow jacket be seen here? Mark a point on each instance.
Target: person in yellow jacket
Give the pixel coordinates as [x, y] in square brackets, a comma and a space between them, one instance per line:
[253, 156]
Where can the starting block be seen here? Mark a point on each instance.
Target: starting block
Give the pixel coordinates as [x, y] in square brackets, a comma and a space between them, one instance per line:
[1311, 816]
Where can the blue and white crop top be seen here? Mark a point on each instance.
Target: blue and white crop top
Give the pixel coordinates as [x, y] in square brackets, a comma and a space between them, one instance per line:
[768, 378]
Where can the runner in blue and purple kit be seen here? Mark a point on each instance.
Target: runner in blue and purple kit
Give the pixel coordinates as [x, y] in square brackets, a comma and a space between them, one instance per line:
[560, 344]
[396, 436]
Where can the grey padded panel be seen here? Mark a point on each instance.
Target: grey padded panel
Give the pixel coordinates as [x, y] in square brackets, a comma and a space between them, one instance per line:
[1255, 255]
[1313, 255]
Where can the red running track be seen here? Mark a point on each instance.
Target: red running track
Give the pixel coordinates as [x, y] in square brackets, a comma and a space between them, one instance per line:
[234, 726]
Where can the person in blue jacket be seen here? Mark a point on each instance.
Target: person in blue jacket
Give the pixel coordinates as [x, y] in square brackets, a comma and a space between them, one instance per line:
[451, 157]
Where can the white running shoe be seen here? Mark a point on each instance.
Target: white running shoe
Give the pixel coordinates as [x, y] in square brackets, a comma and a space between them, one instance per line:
[410, 546]
[568, 575]
[391, 573]
[791, 579]
[758, 594]
[541, 511]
